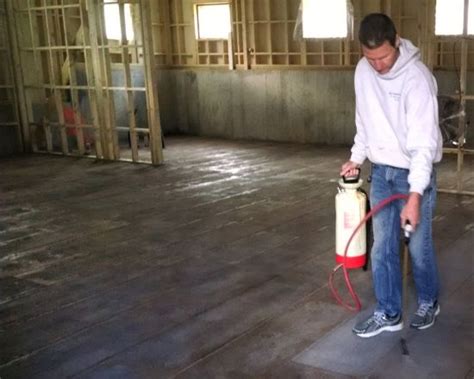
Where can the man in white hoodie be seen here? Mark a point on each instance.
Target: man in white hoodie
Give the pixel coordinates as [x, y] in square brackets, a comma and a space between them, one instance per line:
[397, 130]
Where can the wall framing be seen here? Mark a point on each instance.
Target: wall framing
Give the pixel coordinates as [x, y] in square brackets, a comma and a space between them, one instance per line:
[73, 76]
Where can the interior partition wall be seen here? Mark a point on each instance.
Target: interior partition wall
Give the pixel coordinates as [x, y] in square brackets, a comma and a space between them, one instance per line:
[87, 94]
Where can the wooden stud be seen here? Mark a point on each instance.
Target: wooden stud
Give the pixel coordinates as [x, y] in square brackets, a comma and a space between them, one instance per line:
[253, 58]
[245, 47]
[53, 70]
[195, 41]
[128, 85]
[92, 26]
[236, 27]
[93, 90]
[106, 79]
[286, 31]
[37, 66]
[462, 88]
[167, 33]
[177, 22]
[230, 52]
[269, 31]
[71, 71]
[151, 84]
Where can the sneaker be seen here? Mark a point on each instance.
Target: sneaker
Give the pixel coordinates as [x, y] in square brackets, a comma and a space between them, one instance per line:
[377, 323]
[425, 316]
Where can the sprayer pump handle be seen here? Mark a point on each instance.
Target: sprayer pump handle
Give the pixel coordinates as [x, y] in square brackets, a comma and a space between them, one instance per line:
[353, 178]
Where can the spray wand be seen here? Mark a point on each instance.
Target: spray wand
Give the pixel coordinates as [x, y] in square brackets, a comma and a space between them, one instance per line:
[407, 231]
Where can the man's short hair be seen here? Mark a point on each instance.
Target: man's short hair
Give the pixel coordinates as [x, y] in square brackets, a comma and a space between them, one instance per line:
[375, 29]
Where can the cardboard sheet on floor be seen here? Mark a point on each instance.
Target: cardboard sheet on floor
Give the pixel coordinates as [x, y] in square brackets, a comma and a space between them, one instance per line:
[340, 351]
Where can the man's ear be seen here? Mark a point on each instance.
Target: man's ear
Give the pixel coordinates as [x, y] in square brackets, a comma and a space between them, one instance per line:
[397, 41]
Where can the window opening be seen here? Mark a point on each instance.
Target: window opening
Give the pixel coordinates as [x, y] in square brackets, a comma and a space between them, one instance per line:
[212, 21]
[449, 17]
[325, 19]
[112, 21]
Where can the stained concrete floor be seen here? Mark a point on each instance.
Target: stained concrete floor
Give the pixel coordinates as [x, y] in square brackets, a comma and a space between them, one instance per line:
[213, 265]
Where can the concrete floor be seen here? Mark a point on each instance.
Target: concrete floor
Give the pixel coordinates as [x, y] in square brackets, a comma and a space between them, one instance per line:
[214, 265]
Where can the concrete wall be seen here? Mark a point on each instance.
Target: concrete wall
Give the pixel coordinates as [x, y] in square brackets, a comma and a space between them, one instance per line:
[309, 106]
[282, 105]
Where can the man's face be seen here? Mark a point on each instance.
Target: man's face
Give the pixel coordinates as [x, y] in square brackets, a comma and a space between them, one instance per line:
[381, 58]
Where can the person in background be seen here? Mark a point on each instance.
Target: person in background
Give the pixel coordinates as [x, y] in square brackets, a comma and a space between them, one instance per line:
[397, 130]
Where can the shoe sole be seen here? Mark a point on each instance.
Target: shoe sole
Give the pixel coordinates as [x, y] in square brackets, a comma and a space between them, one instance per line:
[392, 328]
[438, 311]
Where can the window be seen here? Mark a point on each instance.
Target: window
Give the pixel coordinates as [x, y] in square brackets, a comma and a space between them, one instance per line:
[450, 17]
[325, 19]
[212, 21]
[112, 20]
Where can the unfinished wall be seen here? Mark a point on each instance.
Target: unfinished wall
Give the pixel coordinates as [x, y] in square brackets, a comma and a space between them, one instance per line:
[287, 88]
[71, 83]
[289, 105]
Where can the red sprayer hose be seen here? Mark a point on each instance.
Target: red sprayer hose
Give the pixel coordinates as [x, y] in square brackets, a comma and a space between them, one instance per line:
[354, 296]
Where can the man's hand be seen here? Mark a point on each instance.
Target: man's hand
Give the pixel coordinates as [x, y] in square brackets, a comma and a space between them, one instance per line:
[349, 169]
[411, 210]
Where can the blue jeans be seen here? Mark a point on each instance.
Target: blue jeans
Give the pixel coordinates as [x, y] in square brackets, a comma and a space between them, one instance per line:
[385, 255]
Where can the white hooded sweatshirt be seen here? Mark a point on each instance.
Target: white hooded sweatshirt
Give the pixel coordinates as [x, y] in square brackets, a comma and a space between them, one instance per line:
[397, 117]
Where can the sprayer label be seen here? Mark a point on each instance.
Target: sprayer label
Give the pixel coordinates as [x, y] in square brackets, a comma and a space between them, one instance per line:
[350, 220]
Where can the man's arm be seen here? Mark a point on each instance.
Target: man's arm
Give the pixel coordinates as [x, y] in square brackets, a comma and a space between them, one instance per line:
[423, 144]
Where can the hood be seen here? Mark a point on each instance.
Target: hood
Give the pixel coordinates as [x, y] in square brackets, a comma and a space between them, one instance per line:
[409, 53]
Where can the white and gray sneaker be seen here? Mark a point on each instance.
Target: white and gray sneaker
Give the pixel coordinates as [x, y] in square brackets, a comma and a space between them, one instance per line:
[425, 316]
[378, 323]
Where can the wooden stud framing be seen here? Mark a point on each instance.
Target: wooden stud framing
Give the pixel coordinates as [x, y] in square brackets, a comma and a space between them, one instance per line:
[255, 23]
[460, 151]
[55, 56]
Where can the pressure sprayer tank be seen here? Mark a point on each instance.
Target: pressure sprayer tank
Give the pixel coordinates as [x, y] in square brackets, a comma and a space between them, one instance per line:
[350, 210]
